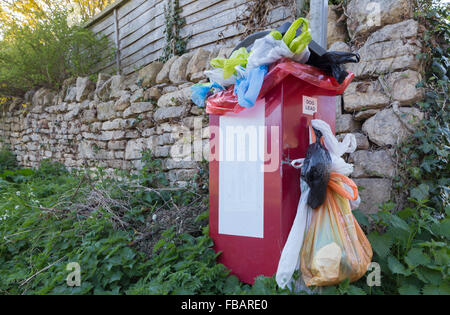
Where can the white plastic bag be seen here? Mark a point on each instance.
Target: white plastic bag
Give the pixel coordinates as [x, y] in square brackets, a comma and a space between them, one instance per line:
[267, 50]
[336, 150]
[216, 75]
[302, 57]
[290, 256]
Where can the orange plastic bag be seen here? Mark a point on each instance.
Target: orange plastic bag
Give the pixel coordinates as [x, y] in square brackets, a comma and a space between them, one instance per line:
[335, 247]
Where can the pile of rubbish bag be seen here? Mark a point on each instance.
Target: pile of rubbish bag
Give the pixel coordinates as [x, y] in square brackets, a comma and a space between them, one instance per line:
[236, 82]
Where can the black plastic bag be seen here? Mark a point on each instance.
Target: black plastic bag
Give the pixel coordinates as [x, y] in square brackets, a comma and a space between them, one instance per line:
[331, 63]
[316, 171]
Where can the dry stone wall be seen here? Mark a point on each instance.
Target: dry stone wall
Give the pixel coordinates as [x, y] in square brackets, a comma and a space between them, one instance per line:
[377, 106]
[108, 123]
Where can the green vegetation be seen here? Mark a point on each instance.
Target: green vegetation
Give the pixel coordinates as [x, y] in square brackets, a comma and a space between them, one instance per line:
[8, 160]
[128, 233]
[175, 45]
[46, 53]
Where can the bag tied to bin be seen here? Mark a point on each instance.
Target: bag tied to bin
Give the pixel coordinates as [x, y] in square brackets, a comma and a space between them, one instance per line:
[326, 243]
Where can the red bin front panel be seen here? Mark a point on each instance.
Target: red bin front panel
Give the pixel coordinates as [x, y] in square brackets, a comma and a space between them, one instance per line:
[251, 240]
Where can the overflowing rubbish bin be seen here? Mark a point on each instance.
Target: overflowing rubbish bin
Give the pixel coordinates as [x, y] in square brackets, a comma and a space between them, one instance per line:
[262, 104]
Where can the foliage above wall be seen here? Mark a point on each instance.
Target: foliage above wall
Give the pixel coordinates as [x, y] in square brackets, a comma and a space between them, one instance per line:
[46, 53]
[31, 12]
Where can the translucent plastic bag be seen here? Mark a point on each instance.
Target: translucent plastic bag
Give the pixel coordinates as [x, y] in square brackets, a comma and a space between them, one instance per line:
[249, 84]
[200, 92]
[285, 67]
[290, 256]
[216, 75]
[238, 58]
[223, 102]
[273, 47]
[267, 50]
[299, 43]
[335, 247]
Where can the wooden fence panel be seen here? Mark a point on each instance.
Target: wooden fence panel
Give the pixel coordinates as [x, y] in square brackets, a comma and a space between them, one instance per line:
[136, 27]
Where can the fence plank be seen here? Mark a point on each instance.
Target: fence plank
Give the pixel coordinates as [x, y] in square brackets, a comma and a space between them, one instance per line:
[144, 43]
[103, 24]
[116, 33]
[141, 24]
[147, 17]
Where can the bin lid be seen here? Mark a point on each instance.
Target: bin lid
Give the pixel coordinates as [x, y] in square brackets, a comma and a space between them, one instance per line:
[312, 75]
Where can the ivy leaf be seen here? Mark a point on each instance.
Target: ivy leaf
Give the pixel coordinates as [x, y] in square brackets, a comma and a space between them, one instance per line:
[420, 193]
[409, 289]
[397, 267]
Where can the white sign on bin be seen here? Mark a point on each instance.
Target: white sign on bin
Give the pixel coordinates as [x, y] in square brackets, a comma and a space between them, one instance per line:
[241, 179]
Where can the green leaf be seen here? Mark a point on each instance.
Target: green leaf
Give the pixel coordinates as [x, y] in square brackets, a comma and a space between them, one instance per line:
[343, 286]
[416, 257]
[231, 285]
[420, 193]
[443, 289]
[409, 289]
[361, 218]
[381, 244]
[442, 257]
[442, 228]
[354, 290]
[428, 275]
[331, 290]
[396, 267]
[399, 223]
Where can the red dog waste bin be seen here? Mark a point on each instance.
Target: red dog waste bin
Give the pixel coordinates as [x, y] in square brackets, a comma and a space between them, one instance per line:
[254, 191]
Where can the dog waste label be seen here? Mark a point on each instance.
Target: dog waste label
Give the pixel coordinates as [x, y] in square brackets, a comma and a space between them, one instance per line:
[309, 105]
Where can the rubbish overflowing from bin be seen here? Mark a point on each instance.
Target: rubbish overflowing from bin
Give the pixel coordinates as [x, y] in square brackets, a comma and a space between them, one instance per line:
[325, 241]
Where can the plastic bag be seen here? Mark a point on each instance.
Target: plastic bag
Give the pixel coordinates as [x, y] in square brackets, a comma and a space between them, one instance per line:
[238, 58]
[271, 47]
[337, 149]
[266, 51]
[316, 170]
[331, 63]
[304, 72]
[290, 256]
[335, 247]
[200, 92]
[216, 75]
[298, 44]
[223, 102]
[249, 84]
